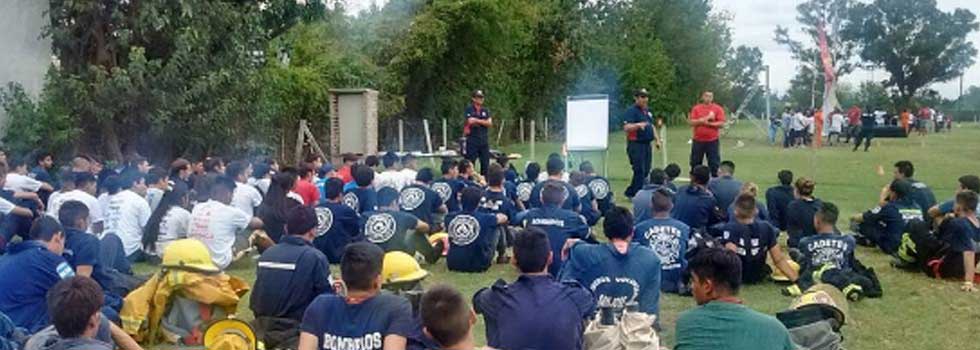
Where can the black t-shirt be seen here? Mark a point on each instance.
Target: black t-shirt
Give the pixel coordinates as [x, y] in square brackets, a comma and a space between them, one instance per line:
[497, 203]
[420, 201]
[478, 133]
[799, 220]
[752, 243]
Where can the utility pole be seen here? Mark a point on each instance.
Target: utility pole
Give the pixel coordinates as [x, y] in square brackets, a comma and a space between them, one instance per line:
[769, 115]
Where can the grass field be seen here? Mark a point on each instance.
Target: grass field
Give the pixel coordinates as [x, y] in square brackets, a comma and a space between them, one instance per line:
[916, 312]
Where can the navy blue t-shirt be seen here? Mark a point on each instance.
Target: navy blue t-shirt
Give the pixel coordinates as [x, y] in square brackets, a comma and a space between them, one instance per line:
[571, 201]
[725, 189]
[892, 218]
[669, 239]
[777, 201]
[82, 248]
[338, 325]
[601, 191]
[448, 190]
[420, 201]
[617, 279]
[922, 195]
[337, 226]
[472, 239]
[821, 249]
[695, 207]
[559, 224]
[590, 214]
[389, 229]
[498, 203]
[362, 200]
[636, 114]
[535, 312]
[478, 133]
[799, 220]
[289, 275]
[29, 270]
[962, 235]
[752, 243]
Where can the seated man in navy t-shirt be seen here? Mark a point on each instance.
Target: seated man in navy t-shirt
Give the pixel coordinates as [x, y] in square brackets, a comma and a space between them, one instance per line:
[951, 253]
[472, 234]
[555, 168]
[753, 240]
[668, 238]
[395, 230]
[29, 270]
[598, 185]
[536, 311]
[966, 183]
[337, 224]
[447, 318]
[694, 205]
[448, 186]
[420, 200]
[363, 317]
[560, 224]
[525, 186]
[362, 198]
[589, 206]
[884, 225]
[620, 273]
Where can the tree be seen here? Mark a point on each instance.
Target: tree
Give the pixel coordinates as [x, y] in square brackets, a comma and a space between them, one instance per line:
[835, 16]
[872, 95]
[805, 89]
[914, 41]
[742, 68]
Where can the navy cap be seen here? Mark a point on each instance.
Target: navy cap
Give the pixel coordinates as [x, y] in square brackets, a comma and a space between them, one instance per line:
[641, 93]
[301, 220]
[478, 93]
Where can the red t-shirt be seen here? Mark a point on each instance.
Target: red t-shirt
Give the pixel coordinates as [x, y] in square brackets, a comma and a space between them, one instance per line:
[853, 115]
[344, 174]
[925, 113]
[308, 191]
[704, 133]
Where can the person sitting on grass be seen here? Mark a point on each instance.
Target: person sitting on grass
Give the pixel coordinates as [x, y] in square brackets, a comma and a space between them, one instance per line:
[620, 273]
[694, 205]
[556, 175]
[668, 238]
[497, 199]
[560, 224]
[525, 186]
[472, 234]
[921, 194]
[725, 187]
[447, 319]
[362, 198]
[29, 270]
[219, 225]
[289, 276]
[673, 171]
[828, 257]
[448, 186]
[589, 206]
[395, 230]
[536, 311]
[884, 225]
[799, 212]
[642, 199]
[598, 185]
[951, 253]
[417, 198]
[720, 321]
[752, 240]
[74, 304]
[778, 198]
[337, 224]
[359, 313]
[966, 183]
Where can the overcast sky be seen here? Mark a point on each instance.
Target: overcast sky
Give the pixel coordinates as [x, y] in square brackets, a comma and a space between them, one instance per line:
[754, 23]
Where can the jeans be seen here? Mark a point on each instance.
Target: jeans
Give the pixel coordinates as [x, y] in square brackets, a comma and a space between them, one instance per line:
[711, 150]
[641, 158]
[773, 130]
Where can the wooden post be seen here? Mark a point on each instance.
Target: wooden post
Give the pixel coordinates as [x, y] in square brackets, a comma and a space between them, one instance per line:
[663, 144]
[546, 129]
[523, 140]
[298, 156]
[401, 135]
[532, 139]
[445, 135]
[500, 131]
[428, 137]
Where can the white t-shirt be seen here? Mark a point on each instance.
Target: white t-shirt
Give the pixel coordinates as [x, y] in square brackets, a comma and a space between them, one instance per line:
[262, 184]
[126, 214]
[391, 179]
[798, 123]
[543, 175]
[21, 183]
[6, 206]
[407, 176]
[836, 122]
[216, 224]
[246, 198]
[153, 197]
[173, 226]
[94, 208]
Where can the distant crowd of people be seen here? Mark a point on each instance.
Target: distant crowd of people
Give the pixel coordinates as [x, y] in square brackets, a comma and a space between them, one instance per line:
[810, 128]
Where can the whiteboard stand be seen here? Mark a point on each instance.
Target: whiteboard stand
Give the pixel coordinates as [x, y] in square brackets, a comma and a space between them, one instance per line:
[587, 128]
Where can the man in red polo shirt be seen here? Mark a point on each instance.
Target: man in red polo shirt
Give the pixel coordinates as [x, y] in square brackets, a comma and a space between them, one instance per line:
[853, 123]
[706, 119]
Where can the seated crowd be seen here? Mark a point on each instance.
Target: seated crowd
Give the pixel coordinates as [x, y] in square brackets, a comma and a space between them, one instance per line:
[70, 238]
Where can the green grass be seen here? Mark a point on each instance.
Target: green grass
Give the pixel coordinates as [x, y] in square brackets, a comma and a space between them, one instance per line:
[916, 312]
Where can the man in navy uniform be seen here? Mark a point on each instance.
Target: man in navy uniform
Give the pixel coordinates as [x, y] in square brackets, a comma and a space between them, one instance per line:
[694, 204]
[29, 270]
[478, 122]
[289, 276]
[472, 234]
[668, 237]
[536, 311]
[639, 128]
[560, 224]
[420, 200]
[569, 201]
[337, 224]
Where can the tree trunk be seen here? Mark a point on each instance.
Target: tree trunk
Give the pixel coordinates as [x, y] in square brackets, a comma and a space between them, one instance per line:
[110, 142]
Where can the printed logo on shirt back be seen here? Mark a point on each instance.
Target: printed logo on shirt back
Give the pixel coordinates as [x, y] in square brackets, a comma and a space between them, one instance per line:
[443, 190]
[351, 200]
[379, 228]
[524, 191]
[581, 190]
[324, 219]
[463, 230]
[599, 187]
[370, 341]
[411, 198]
[615, 291]
[665, 241]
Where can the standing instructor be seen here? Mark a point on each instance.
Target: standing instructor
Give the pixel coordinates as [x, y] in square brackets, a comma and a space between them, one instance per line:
[638, 125]
[478, 121]
[706, 119]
